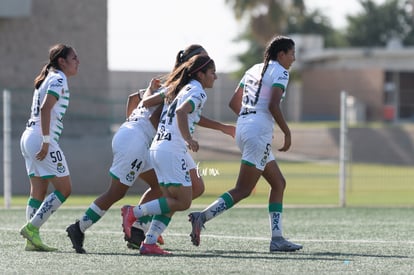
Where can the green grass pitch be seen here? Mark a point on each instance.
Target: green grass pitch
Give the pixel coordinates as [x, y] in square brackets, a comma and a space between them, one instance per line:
[336, 241]
[372, 235]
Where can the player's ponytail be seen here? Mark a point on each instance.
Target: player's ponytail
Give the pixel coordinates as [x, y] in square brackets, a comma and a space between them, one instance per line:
[186, 54]
[186, 72]
[55, 52]
[277, 44]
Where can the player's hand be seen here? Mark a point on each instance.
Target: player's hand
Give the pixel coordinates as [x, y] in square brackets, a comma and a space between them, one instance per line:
[192, 145]
[155, 84]
[43, 151]
[229, 130]
[287, 143]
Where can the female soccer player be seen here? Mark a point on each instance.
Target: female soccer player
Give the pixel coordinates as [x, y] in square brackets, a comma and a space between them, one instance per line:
[184, 102]
[130, 159]
[257, 102]
[45, 161]
[135, 234]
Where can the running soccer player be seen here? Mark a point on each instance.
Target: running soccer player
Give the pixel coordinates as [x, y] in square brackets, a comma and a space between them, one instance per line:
[134, 235]
[184, 103]
[130, 160]
[257, 102]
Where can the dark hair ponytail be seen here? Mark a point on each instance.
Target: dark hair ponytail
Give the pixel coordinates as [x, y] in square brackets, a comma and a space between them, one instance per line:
[55, 52]
[186, 72]
[186, 54]
[277, 44]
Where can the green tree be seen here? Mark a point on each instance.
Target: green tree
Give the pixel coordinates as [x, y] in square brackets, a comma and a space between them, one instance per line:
[266, 18]
[378, 24]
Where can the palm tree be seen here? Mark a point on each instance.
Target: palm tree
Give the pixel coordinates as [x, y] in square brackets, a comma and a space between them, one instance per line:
[265, 18]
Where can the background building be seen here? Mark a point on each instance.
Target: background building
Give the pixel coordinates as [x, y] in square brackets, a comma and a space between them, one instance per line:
[380, 80]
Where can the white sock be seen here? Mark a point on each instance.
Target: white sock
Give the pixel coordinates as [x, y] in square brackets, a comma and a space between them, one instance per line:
[30, 212]
[144, 226]
[149, 208]
[157, 227]
[275, 219]
[91, 216]
[47, 208]
[31, 208]
[215, 209]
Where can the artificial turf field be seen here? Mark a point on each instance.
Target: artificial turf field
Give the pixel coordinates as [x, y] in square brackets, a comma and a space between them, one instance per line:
[336, 241]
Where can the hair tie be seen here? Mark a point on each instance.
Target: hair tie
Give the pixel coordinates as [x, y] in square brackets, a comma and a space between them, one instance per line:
[202, 66]
[180, 56]
[194, 52]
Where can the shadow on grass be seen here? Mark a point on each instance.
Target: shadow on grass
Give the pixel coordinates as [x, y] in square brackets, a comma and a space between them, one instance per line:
[236, 254]
[337, 254]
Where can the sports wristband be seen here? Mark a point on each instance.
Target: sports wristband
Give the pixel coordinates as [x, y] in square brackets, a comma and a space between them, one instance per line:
[46, 139]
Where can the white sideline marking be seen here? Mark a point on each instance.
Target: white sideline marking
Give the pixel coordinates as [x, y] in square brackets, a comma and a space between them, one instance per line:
[233, 237]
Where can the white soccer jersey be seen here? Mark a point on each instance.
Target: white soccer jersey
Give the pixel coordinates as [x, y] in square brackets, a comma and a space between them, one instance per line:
[140, 118]
[141, 112]
[55, 163]
[254, 130]
[55, 84]
[257, 102]
[168, 137]
[130, 146]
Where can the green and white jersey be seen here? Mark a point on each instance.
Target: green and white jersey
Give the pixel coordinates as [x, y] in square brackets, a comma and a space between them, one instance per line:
[54, 84]
[141, 112]
[257, 102]
[168, 137]
[140, 119]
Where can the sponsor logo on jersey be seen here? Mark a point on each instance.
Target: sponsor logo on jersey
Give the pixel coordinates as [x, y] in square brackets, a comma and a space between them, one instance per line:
[56, 85]
[285, 76]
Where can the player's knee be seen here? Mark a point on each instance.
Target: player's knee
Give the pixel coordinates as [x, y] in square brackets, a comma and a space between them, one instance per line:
[66, 192]
[156, 192]
[245, 193]
[282, 184]
[183, 205]
[198, 190]
[240, 193]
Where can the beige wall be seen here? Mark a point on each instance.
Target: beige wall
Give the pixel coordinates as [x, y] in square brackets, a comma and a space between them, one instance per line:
[24, 46]
[322, 89]
[124, 83]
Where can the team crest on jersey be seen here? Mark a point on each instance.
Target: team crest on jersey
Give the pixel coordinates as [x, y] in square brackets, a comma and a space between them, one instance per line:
[131, 176]
[60, 168]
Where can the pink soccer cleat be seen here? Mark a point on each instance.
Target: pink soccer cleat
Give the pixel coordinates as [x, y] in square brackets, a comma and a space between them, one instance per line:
[128, 219]
[152, 249]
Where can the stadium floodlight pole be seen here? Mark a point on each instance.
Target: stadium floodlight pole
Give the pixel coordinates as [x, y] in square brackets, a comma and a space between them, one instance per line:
[7, 148]
[342, 149]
